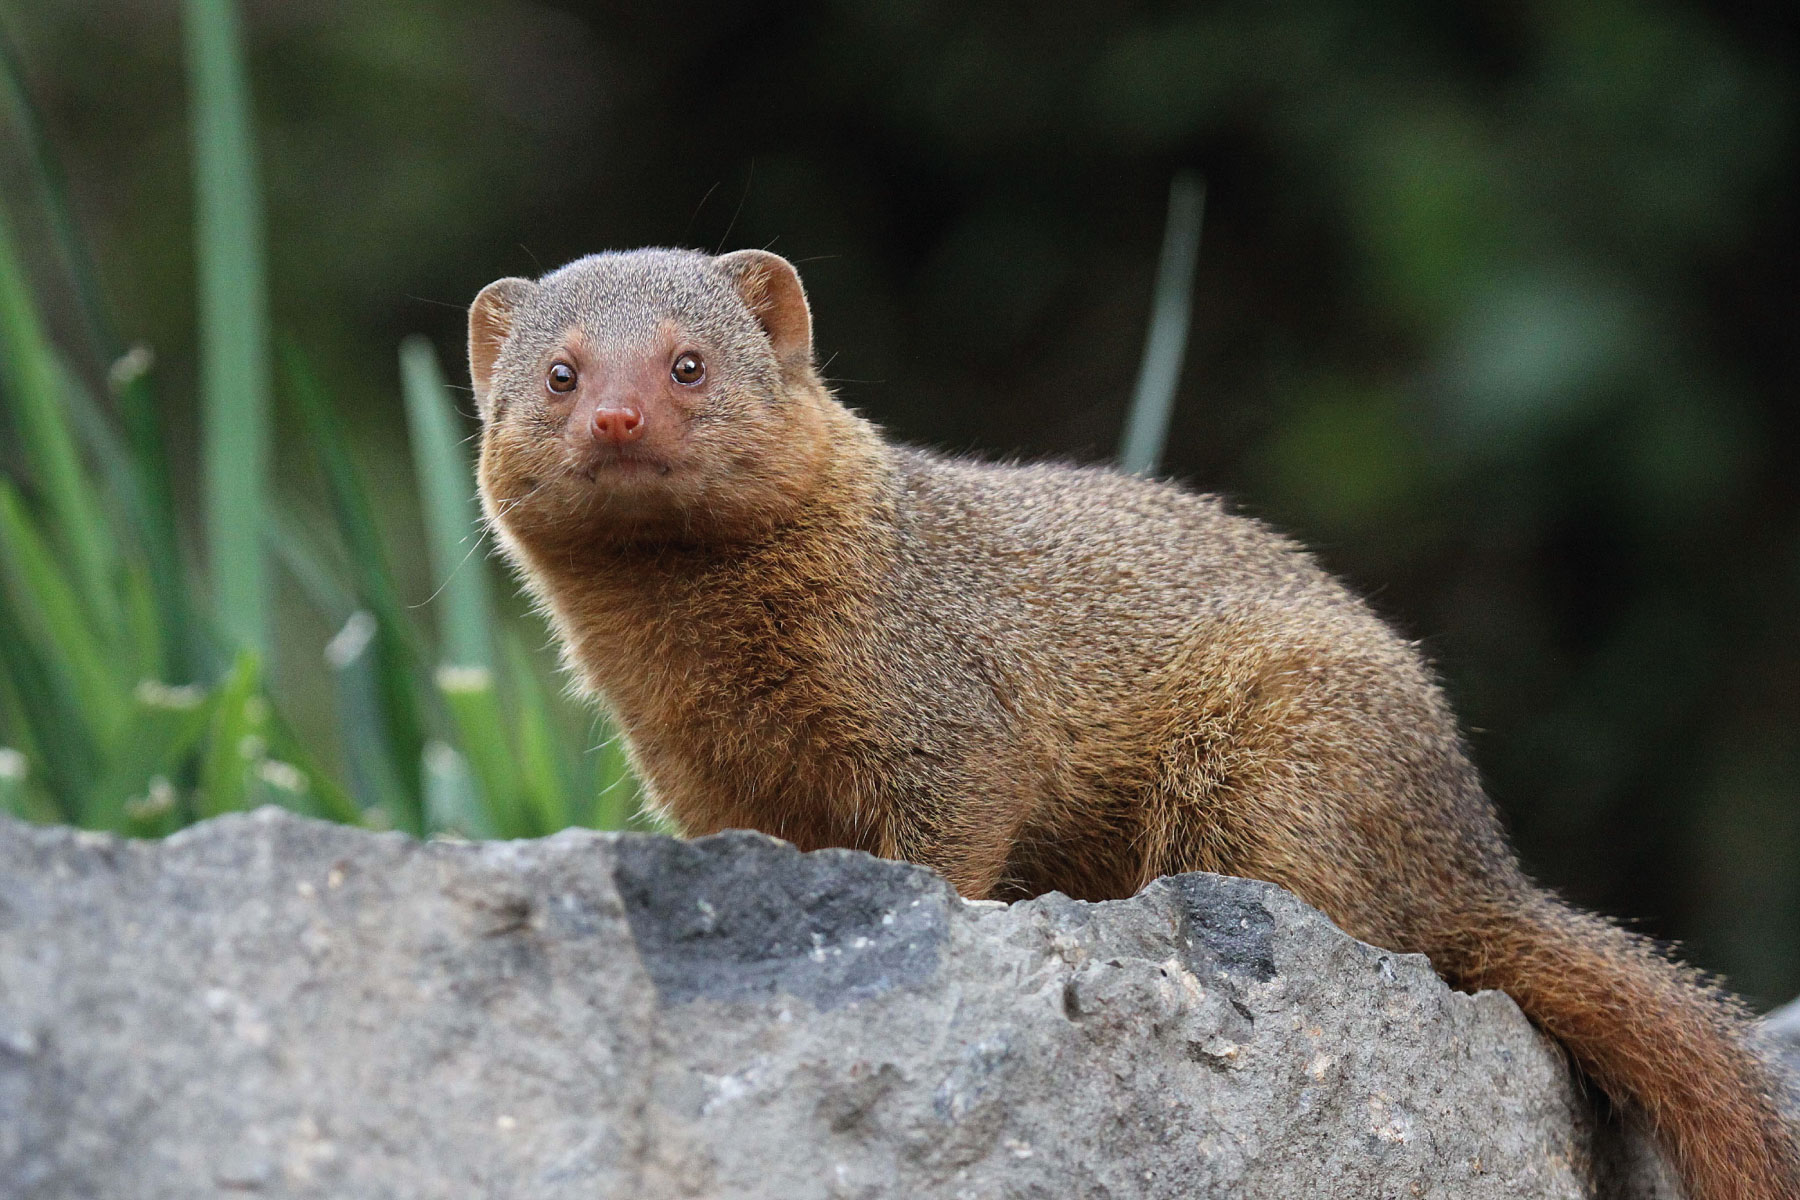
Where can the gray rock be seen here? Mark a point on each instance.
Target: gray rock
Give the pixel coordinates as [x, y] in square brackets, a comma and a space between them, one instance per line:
[264, 1005]
[1782, 1028]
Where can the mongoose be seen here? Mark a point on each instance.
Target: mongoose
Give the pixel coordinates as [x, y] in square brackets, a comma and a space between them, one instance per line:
[1027, 677]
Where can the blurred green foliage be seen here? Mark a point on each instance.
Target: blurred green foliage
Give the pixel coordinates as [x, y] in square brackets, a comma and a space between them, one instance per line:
[122, 707]
[1496, 308]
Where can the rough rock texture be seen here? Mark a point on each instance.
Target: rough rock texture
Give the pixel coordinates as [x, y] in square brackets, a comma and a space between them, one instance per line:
[270, 1006]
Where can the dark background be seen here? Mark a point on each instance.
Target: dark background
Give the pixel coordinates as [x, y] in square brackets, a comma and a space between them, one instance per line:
[1496, 308]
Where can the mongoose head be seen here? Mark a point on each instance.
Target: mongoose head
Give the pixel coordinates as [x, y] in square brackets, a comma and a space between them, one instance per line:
[647, 396]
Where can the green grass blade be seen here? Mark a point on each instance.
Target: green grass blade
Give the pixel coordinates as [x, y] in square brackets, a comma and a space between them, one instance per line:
[447, 494]
[44, 717]
[395, 662]
[129, 370]
[297, 549]
[273, 781]
[1165, 345]
[31, 382]
[481, 730]
[372, 578]
[451, 802]
[54, 195]
[165, 725]
[14, 770]
[185, 646]
[144, 655]
[157, 646]
[324, 796]
[94, 432]
[233, 306]
[236, 742]
[129, 373]
[15, 726]
[45, 603]
[17, 796]
[547, 777]
[377, 771]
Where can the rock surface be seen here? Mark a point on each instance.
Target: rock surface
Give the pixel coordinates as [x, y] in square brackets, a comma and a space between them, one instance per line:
[269, 1006]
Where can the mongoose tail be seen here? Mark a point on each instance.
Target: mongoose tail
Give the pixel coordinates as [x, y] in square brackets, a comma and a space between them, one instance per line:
[1652, 1033]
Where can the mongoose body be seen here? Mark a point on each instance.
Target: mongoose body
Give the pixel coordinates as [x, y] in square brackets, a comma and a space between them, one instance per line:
[1028, 677]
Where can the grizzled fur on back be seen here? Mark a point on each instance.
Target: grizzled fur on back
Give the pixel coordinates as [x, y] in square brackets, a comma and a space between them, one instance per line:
[1028, 677]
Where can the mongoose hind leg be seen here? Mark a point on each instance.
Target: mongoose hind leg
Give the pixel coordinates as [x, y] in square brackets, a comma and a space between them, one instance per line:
[969, 845]
[1330, 766]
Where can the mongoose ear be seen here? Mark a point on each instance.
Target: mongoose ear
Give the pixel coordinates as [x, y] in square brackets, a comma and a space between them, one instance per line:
[490, 320]
[771, 288]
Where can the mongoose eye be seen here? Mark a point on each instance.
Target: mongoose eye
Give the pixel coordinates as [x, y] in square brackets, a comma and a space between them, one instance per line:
[561, 377]
[688, 369]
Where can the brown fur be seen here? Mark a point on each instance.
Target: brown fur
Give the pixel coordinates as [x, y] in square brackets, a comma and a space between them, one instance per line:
[1028, 677]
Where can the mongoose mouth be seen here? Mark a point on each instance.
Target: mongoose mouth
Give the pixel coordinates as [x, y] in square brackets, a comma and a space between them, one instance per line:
[622, 466]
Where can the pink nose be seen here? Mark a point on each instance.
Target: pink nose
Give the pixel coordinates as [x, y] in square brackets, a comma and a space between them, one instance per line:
[617, 426]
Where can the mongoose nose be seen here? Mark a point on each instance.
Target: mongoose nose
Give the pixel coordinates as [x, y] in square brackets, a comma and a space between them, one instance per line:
[617, 426]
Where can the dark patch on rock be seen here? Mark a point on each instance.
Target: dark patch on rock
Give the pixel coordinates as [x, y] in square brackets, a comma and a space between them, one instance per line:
[1225, 924]
[741, 915]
